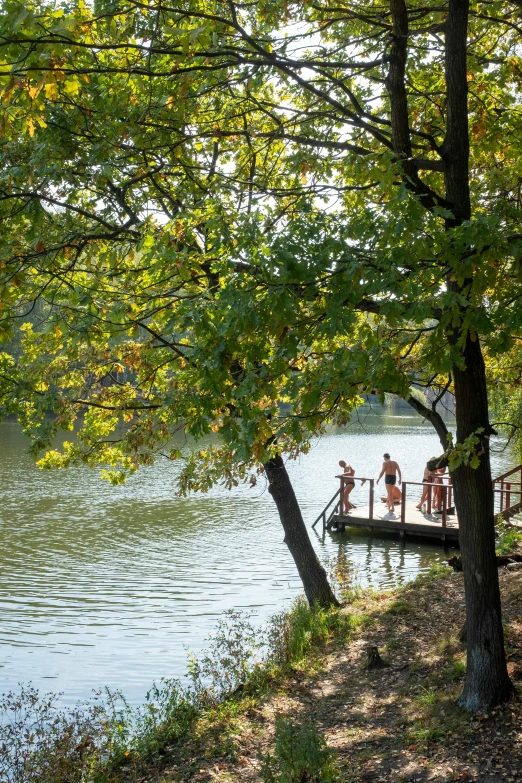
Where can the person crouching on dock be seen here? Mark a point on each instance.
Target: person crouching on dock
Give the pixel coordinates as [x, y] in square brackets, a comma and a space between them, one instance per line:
[390, 468]
[396, 494]
[348, 485]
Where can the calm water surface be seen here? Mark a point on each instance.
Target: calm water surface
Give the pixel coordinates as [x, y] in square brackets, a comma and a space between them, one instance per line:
[104, 585]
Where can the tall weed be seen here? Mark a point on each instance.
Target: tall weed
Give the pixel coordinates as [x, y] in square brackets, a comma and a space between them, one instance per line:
[222, 669]
[292, 634]
[508, 538]
[300, 753]
[341, 574]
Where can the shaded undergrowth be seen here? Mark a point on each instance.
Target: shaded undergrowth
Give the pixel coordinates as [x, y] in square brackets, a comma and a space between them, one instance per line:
[186, 729]
[106, 740]
[508, 538]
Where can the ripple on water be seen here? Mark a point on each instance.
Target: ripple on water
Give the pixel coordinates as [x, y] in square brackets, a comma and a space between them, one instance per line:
[104, 585]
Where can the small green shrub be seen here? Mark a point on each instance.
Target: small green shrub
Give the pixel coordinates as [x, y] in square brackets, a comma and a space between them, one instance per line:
[300, 753]
[455, 669]
[139, 734]
[292, 634]
[508, 538]
[426, 698]
[40, 743]
[229, 661]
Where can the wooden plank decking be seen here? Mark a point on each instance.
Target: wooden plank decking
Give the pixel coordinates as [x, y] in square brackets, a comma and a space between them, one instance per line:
[417, 523]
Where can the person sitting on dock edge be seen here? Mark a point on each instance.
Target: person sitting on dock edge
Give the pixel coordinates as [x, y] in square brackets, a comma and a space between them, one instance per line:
[348, 485]
[390, 468]
[396, 494]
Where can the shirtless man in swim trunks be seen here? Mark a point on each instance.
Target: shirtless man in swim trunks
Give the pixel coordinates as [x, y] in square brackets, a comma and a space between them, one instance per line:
[390, 468]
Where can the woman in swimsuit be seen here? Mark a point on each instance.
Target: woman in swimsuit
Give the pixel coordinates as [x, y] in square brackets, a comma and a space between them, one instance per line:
[437, 491]
[348, 484]
[427, 479]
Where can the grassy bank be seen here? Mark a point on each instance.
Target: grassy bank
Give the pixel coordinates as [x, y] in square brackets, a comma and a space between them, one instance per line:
[302, 698]
[106, 741]
[396, 724]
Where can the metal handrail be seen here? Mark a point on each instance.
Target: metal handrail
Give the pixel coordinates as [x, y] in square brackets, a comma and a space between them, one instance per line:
[334, 511]
[325, 509]
[509, 473]
[424, 483]
[354, 478]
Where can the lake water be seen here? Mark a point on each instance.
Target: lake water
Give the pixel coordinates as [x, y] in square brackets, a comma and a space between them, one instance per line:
[103, 585]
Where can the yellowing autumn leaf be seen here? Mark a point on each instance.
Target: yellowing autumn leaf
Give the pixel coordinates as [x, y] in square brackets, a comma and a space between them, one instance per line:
[72, 86]
[51, 91]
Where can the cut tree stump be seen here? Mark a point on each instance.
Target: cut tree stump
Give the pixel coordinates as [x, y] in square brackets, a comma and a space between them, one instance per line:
[373, 659]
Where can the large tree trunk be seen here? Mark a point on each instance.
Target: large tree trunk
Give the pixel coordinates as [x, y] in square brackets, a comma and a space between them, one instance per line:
[316, 586]
[487, 682]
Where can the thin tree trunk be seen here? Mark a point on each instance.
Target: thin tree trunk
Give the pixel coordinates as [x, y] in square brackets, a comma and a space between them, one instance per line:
[313, 576]
[433, 417]
[487, 682]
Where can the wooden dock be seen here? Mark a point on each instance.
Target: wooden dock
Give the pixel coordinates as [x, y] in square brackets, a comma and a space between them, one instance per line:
[407, 519]
[416, 522]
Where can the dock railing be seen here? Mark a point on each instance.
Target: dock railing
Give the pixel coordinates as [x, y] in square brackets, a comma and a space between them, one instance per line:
[322, 515]
[505, 490]
[445, 489]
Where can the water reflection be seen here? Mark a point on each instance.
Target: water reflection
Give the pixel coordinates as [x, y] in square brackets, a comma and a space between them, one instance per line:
[104, 585]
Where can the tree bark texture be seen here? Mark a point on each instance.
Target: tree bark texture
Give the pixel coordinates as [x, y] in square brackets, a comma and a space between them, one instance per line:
[395, 83]
[313, 576]
[487, 682]
[456, 143]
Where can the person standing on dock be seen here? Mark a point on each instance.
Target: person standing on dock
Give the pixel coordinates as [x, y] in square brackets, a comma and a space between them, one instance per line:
[427, 479]
[348, 484]
[390, 468]
[437, 491]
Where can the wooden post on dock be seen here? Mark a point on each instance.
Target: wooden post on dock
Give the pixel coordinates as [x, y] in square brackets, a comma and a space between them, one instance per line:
[370, 515]
[444, 504]
[403, 503]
